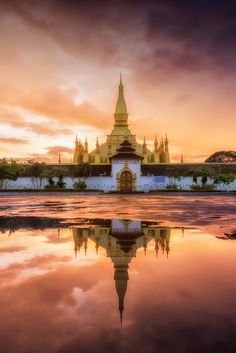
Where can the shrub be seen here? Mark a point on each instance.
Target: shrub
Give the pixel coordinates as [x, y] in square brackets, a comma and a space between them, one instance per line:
[204, 187]
[80, 185]
[173, 187]
[55, 186]
[51, 182]
[61, 184]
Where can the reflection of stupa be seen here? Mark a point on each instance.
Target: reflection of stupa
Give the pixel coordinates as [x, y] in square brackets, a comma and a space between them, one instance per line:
[121, 239]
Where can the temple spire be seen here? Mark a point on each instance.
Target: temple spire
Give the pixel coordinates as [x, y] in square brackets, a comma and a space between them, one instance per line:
[155, 144]
[144, 145]
[121, 115]
[86, 145]
[166, 143]
[97, 146]
[120, 103]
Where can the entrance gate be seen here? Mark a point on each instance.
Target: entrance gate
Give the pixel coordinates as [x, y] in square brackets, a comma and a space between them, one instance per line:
[126, 182]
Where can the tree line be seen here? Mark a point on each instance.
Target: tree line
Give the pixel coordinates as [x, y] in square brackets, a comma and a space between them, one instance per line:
[204, 177]
[11, 170]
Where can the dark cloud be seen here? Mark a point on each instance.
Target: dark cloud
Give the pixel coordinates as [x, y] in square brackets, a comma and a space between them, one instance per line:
[192, 34]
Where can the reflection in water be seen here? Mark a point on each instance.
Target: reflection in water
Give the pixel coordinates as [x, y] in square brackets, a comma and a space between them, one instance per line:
[66, 305]
[121, 239]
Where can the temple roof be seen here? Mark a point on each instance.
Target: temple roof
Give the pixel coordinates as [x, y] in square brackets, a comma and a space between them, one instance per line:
[126, 151]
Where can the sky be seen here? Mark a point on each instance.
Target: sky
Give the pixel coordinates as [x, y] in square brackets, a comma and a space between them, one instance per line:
[60, 62]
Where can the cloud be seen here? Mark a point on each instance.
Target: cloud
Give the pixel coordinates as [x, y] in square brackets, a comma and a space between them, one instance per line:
[177, 34]
[55, 150]
[13, 140]
[45, 129]
[16, 120]
[178, 58]
[55, 104]
[52, 154]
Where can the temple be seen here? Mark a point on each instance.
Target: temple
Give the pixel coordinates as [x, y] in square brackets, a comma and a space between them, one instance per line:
[103, 154]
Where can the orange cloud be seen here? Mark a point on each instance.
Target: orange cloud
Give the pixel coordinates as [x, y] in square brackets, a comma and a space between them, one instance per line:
[13, 140]
[54, 104]
[52, 154]
[48, 50]
[16, 120]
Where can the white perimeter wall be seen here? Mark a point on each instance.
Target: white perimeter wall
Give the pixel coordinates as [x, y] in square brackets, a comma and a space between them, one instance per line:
[108, 183]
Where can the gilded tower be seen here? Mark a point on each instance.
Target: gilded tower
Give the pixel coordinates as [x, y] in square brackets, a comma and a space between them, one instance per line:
[120, 133]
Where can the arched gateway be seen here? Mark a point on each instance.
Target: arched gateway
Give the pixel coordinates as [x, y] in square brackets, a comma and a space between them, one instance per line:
[126, 167]
[126, 182]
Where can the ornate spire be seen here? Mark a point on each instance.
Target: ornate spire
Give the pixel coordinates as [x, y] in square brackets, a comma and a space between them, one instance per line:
[144, 145]
[162, 145]
[76, 139]
[166, 143]
[120, 104]
[182, 158]
[155, 144]
[86, 145]
[97, 146]
[59, 158]
[121, 115]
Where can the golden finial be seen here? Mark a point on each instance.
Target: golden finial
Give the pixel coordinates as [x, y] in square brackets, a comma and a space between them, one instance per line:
[120, 78]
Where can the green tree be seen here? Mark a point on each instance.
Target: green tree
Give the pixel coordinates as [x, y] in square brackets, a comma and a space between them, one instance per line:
[9, 171]
[82, 170]
[37, 173]
[224, 180]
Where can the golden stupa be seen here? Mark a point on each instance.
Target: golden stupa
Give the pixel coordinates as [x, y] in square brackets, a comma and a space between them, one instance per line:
[120, 133]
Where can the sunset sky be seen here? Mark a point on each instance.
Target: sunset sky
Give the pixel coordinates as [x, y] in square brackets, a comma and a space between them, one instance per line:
[59, 71]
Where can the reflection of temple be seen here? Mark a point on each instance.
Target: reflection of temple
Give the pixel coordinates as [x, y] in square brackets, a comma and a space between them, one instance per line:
[121, 239]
